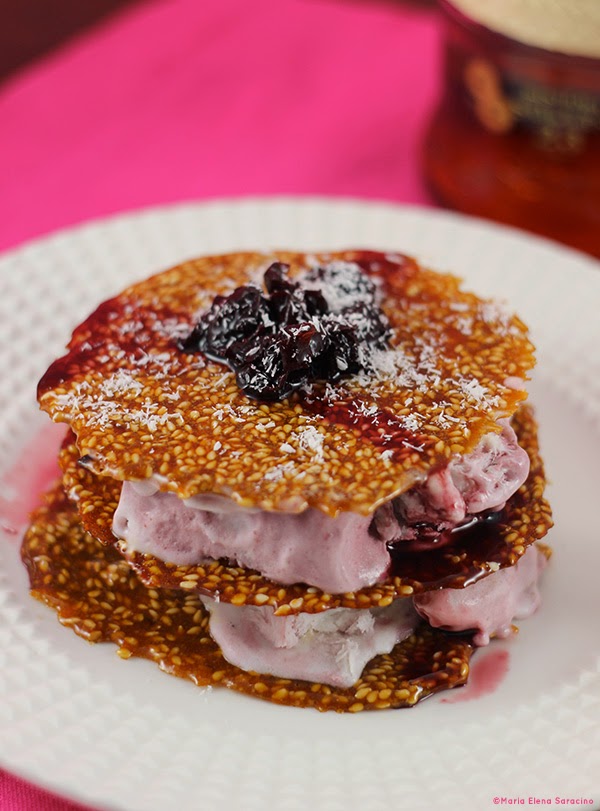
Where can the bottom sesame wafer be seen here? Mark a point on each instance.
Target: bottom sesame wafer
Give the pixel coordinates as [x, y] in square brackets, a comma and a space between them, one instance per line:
[95, 592]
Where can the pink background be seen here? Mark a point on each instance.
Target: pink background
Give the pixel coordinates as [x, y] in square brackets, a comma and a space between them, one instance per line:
[194, 99]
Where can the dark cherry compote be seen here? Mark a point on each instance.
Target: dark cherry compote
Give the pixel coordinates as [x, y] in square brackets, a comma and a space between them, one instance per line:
[293, 333]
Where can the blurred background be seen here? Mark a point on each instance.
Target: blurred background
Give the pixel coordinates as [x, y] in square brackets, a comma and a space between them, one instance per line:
[491, 107]
[31, 28]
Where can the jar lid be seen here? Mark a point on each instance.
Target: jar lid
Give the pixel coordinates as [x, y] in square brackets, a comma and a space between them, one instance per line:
[567, 26]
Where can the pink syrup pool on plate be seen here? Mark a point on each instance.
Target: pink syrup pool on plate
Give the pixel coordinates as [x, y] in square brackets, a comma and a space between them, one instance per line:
[485, 676]
[22, 486]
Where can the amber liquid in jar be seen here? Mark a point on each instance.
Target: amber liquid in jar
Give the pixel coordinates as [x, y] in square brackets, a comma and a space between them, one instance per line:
[516, 136]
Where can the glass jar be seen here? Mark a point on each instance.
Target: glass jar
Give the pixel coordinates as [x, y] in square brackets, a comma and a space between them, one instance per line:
[516, 135]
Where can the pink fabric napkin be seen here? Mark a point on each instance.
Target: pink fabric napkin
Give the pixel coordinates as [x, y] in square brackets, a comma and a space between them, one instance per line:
[179, 99]
[17, 795]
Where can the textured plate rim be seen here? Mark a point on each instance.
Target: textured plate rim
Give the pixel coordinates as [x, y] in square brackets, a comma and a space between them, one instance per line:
[583, 262]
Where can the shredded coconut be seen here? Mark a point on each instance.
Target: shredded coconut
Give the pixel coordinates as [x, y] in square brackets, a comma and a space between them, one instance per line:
[473, 390]
[265, 426]
[493, 312]
[459, 306]
[412, 422]
[120, 382]
[311, 441]
[277, 472]
[101, 410]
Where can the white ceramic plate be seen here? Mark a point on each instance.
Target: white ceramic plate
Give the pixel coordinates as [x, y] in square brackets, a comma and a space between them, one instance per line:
[122, 735]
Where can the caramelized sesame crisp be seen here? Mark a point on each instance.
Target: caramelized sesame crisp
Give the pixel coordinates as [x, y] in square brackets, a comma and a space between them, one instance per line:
[140, 406]
[377, 372]
[526, 519]
[96, 594]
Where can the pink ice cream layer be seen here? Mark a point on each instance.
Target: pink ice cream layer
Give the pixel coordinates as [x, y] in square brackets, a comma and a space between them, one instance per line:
[333, 647]
[337, 555]
[482, 480]
[334, 554]
[489, 606]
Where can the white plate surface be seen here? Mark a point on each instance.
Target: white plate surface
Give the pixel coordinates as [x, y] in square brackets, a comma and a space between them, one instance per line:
[122, 735]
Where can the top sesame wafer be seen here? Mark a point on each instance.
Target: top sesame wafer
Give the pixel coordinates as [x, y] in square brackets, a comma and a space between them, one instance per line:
[141, 407]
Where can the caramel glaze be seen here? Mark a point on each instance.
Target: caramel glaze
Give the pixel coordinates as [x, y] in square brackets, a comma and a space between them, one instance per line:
[95, 593]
